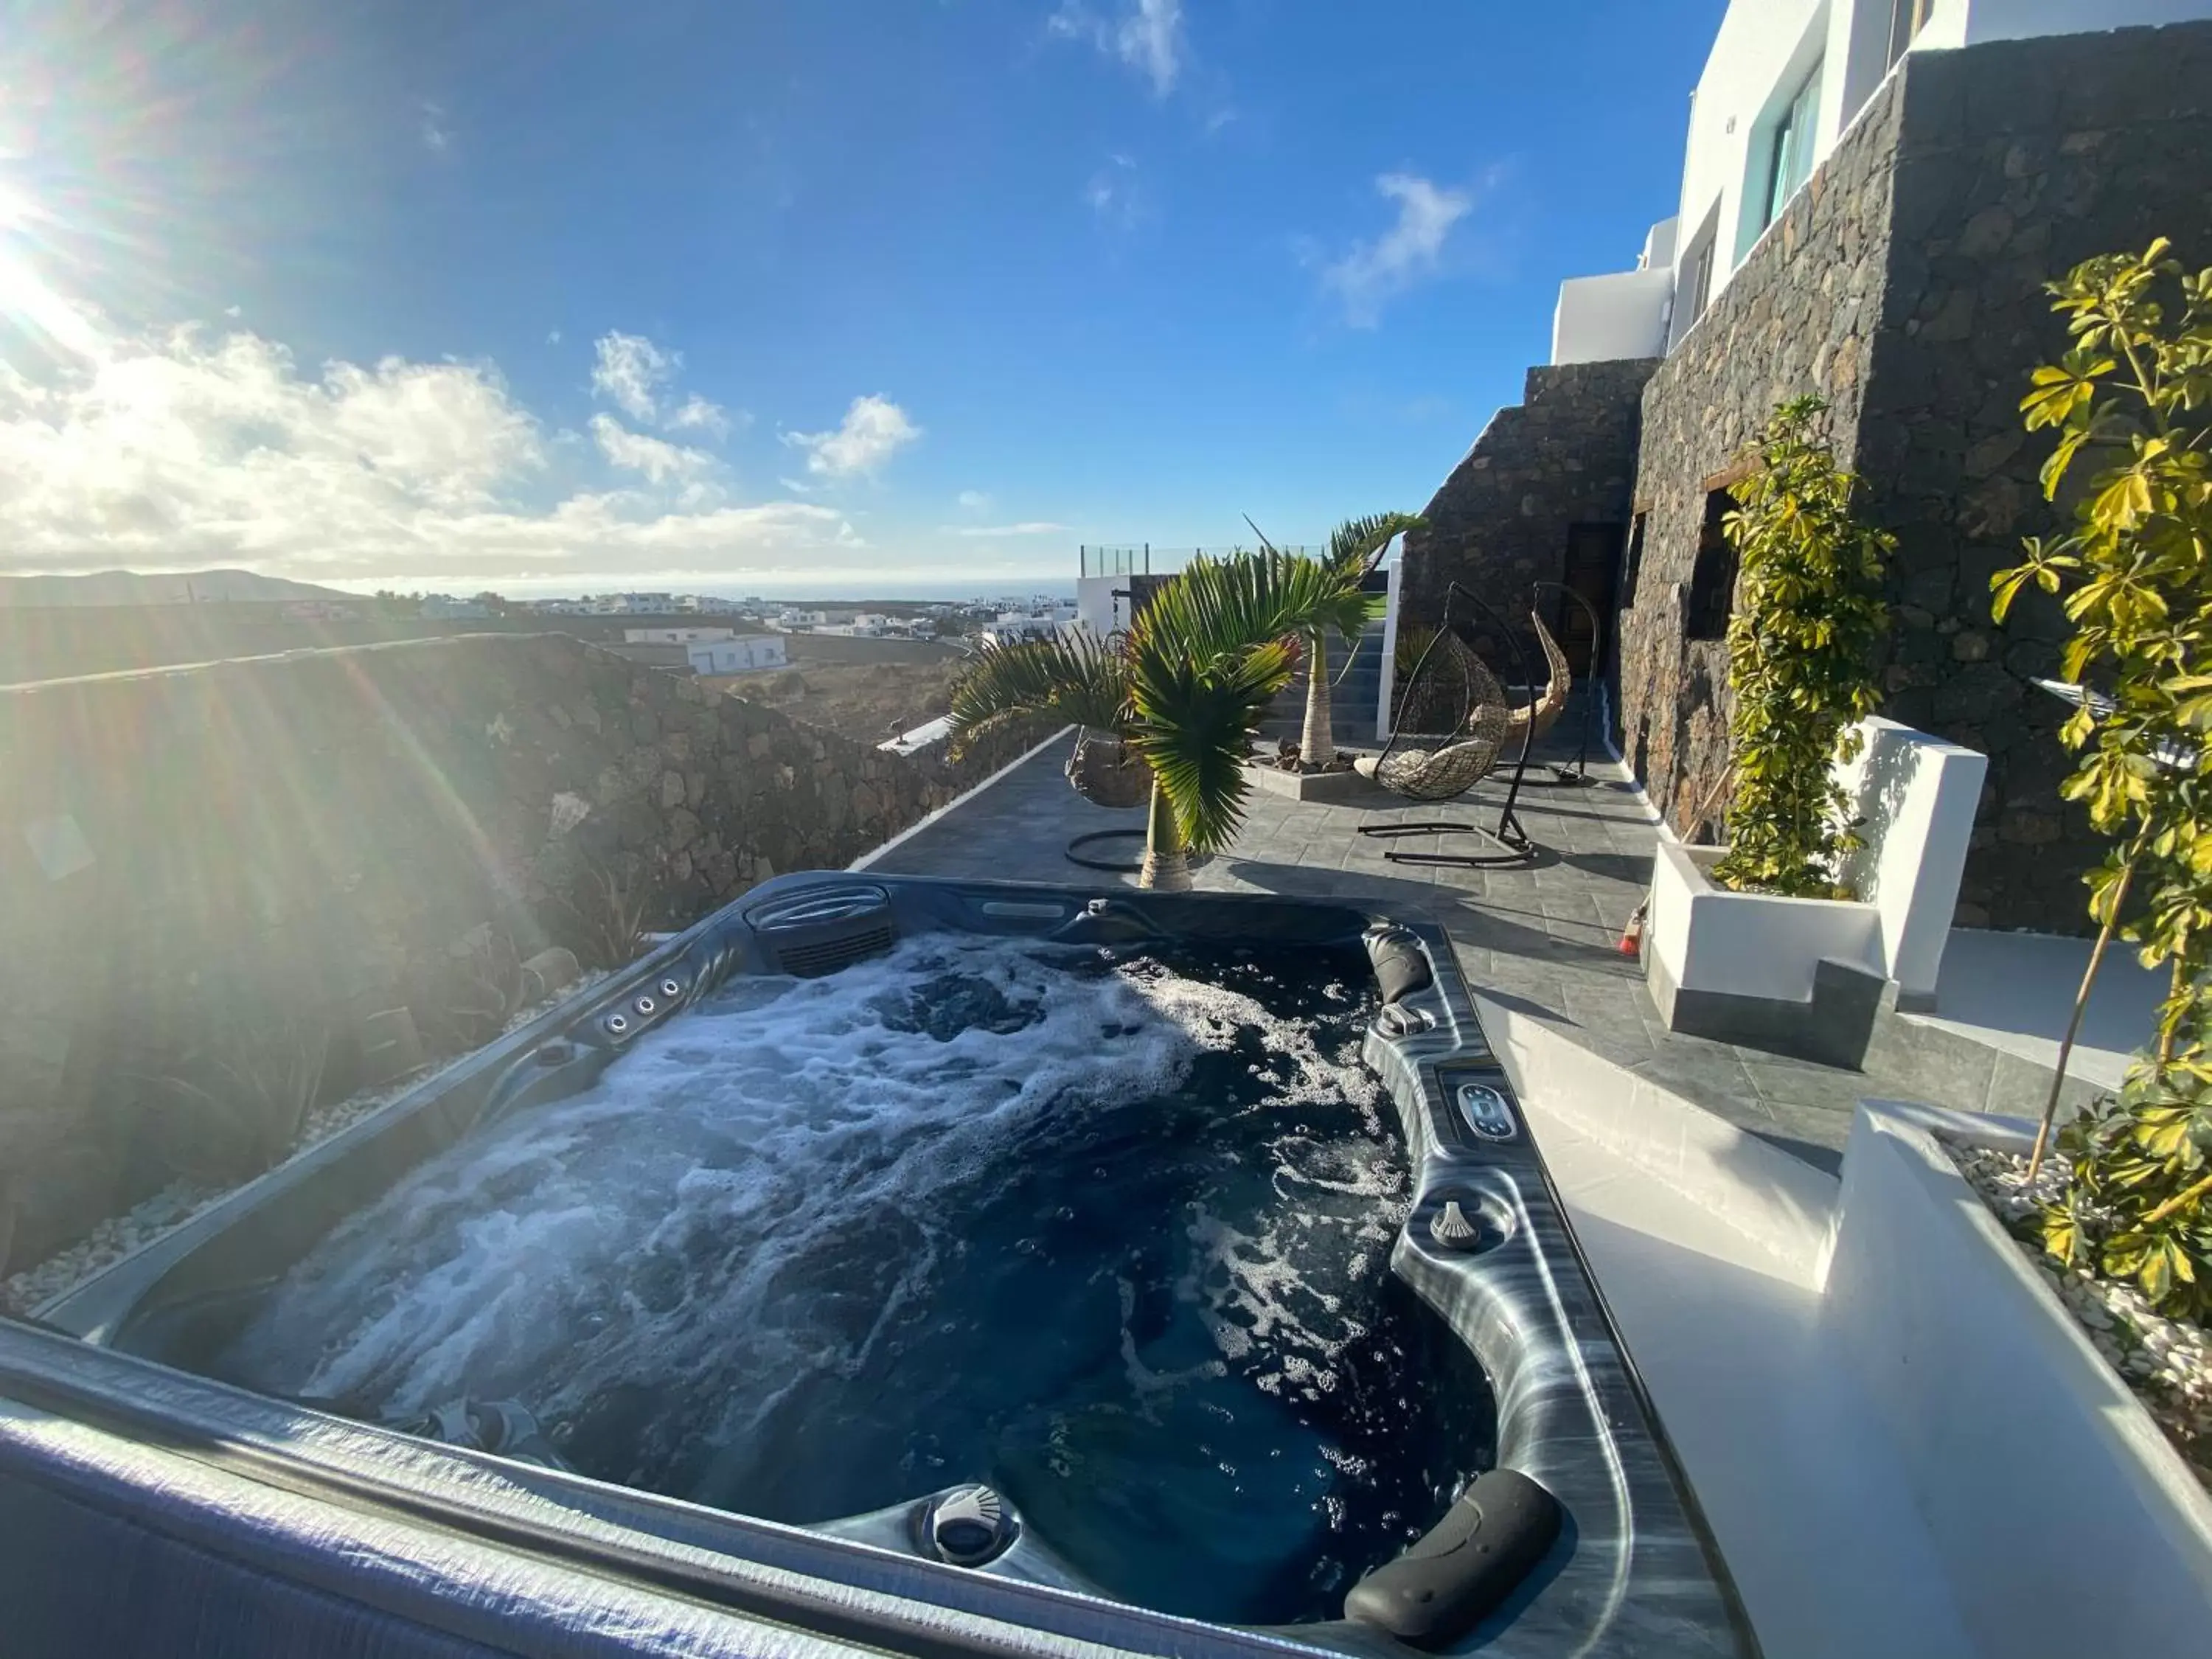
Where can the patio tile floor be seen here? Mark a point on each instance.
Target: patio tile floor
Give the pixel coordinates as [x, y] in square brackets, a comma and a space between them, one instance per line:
[1542, 937]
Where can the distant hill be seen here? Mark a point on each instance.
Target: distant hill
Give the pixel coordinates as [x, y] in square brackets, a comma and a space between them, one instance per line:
[160, 587]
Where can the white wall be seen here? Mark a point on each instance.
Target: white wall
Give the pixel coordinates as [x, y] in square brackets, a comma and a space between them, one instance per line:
[1387, 684]
[2063, 1521]
[1756, 58]
[1915, 796]
[1095, 607]
[1600, 319]
[742, 655]
[1748, 945]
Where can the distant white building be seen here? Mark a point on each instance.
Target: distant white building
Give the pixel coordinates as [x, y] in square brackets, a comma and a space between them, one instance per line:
[675, 635]
[864, 625]
[1012, 627]
[737, 653]
[789, 618]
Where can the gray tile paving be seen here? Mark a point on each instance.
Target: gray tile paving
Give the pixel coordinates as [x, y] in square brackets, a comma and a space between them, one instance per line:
[1542, 937]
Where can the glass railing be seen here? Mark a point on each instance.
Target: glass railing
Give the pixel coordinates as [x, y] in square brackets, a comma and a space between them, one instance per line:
[1143, 559]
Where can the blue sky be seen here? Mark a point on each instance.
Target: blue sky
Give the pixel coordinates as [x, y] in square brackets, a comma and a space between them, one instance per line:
[548, 295]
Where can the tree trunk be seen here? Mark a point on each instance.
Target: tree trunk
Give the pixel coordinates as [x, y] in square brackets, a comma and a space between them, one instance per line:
[1167, 866]
[2074, 1021]
[1317, 743]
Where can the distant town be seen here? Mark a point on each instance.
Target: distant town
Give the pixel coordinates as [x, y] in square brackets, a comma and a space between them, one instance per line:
[999, 620]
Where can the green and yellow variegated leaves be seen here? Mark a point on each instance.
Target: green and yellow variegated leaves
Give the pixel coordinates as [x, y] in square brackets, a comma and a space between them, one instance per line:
[1802, 643]
[2133, 401]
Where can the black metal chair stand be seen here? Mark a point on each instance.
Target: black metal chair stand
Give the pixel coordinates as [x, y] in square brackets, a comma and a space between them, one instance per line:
[1112, 866]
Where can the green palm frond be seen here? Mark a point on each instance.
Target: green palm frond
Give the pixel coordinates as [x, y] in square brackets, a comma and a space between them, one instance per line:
[1074, 677]
[1193, 725]
[1205, 658]
[1357, 543]
[1219, 607]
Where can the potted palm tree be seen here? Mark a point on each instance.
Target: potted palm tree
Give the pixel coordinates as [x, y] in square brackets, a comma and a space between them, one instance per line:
[1355, 547]
[1184, 689]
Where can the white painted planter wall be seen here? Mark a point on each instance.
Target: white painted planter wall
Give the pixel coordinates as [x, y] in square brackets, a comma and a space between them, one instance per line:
[1750, 944]
[1915, 796]
[2066, 1523]
[1744, 967]
[1903, 1441]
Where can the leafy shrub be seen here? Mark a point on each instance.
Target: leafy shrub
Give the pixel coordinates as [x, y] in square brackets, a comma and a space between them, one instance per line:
[235, 1104]
[2137, 563]
[1802, 649]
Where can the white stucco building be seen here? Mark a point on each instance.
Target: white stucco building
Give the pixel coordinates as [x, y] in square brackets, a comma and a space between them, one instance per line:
[1783, 82]
[739, 654]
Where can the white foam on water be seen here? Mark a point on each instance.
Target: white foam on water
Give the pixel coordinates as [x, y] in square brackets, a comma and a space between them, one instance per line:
[685, 1224]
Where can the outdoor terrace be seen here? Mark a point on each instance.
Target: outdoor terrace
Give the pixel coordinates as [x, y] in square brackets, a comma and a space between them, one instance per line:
[1542, 939]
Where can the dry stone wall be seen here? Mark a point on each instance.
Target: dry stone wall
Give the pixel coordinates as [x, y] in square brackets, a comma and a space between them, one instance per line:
[1905, 285]
[234, 888]
[1565, 455]
[1799, 317]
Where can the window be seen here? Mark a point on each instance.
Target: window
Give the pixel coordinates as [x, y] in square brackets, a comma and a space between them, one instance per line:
[1633, 560]
[1905, 18]
[1701, 280]
[1712, 578]
[1790, 156]
[1696, 287]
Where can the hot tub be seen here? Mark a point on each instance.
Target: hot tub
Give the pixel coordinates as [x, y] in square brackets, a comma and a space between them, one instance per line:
[896, 1257]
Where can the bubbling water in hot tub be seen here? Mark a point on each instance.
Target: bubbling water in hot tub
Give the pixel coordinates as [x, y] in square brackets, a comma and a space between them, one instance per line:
[1108, 1231]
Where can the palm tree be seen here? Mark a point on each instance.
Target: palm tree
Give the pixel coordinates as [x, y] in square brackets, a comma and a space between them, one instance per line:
[1355, 547]
[1186, 687]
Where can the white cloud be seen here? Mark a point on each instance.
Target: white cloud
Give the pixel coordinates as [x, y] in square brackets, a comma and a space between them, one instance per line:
[1027, 527]
[634, 373]
[1404, 255]
[1114, 194]
[552, 337]
[629, 372]
[797, 486]
[437, 137]
[873, 430]
[658, 459]
[696, 414]
[976, 500]
[1147, 36]
[191, 448]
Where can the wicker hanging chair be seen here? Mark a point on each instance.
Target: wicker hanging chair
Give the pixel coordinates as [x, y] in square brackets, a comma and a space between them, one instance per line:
[1106, 772]
[1454, 725]
[1452, 722]
[1542, 715]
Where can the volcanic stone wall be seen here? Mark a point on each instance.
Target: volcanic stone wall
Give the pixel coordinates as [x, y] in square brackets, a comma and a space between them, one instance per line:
[1563, 456]
[1904, 286]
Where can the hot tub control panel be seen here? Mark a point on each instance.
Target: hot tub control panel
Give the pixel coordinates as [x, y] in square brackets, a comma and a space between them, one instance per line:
[1484, 1109]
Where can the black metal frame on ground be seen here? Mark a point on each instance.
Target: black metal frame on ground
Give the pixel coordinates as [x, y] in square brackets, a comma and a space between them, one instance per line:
[1576, 773]
[1112, 866]
[1515, 848]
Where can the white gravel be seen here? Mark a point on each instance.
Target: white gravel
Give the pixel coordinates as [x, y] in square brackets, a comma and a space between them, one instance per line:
[2167, 1361]
[110, 1240]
